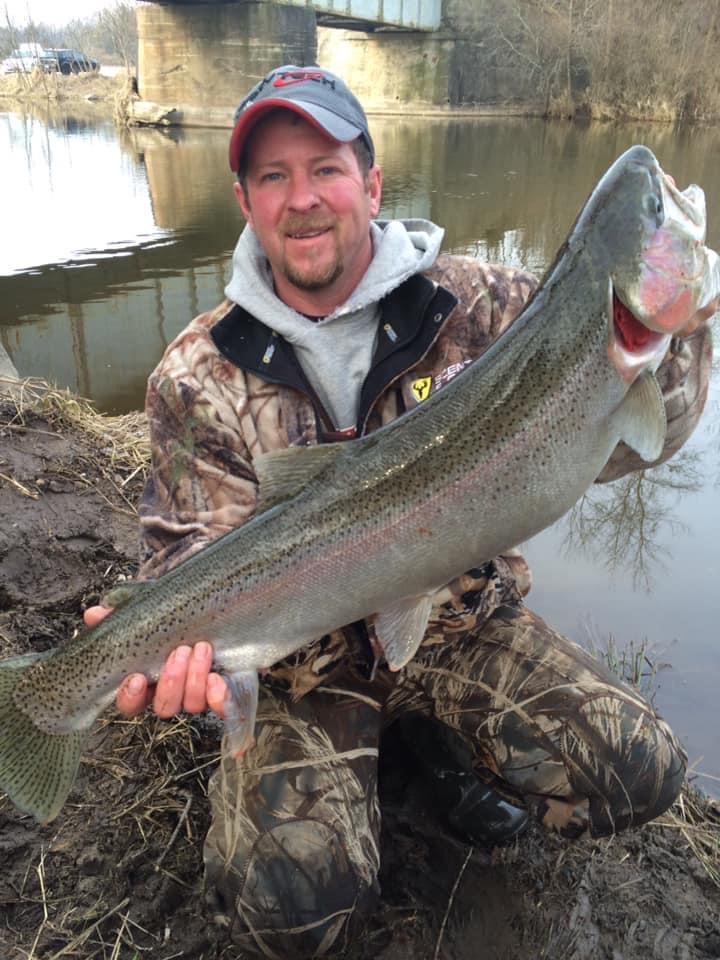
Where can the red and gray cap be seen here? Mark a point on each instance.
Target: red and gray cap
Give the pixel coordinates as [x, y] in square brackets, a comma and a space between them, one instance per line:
[317, 95]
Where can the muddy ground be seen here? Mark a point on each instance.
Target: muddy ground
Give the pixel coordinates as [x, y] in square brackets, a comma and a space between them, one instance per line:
[113, 877]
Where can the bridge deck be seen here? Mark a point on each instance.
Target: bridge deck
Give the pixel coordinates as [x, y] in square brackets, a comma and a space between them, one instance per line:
[359, 14]
[407, 14]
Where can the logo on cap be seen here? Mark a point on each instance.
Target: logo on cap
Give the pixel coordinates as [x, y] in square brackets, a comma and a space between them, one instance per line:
[298, 76]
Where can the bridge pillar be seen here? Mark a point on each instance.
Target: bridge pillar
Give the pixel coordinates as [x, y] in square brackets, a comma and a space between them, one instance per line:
[196, 60]
[391, 71]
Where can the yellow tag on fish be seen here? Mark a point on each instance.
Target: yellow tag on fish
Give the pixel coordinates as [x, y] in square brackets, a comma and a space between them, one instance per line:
[421, 388]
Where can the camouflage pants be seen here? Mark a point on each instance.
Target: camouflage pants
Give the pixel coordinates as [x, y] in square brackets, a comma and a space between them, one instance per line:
[292, 854]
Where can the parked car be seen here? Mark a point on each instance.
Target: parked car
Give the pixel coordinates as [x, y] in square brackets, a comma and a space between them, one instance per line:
[24, 59]
[67, 61]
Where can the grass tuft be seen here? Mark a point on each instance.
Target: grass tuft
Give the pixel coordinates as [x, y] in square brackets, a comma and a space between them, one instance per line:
[121, 443]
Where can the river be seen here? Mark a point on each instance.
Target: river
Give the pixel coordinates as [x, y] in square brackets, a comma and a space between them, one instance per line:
[113, 239]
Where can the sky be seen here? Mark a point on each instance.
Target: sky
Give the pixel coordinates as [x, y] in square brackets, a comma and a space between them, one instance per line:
[51, 12]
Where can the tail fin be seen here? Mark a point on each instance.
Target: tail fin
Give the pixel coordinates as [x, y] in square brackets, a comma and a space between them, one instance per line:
[37, 769]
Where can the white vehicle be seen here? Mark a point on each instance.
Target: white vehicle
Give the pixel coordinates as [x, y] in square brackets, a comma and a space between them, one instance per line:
[24, 59]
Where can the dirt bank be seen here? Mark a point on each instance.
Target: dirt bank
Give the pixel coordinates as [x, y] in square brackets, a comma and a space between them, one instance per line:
[118, 874]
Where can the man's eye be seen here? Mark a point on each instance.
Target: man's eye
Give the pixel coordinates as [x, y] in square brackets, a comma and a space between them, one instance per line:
[272, 177]
[327, 171]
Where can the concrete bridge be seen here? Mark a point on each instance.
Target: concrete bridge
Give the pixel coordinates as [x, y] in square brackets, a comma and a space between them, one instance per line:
[197, 59]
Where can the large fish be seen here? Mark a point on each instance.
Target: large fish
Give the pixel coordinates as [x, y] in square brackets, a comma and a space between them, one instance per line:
[373, 527]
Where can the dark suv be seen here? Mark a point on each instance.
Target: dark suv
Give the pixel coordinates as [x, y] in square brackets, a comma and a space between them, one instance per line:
[67, 61]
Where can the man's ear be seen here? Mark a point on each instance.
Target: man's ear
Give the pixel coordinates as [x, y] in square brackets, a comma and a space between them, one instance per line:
[375, 189]
[243, 201]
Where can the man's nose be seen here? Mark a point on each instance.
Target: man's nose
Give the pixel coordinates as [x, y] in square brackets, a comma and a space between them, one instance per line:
[303, 195]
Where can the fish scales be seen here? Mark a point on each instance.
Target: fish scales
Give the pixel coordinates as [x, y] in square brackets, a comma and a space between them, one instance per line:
[495, 456]
[294, 542]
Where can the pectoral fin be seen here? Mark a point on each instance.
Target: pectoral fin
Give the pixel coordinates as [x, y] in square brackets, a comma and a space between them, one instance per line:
[240, 710]
[401, 627]
[123, 593]
[641, 420]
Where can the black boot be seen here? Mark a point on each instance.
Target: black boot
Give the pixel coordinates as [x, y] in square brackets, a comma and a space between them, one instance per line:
[475, 812]
[471, 810]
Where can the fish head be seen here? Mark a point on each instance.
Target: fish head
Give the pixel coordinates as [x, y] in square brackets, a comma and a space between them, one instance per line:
[651, 237]
[665, 287]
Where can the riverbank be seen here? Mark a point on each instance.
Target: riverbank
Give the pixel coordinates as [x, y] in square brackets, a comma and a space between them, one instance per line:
[114, 876]
[110, 94]
[114, 95]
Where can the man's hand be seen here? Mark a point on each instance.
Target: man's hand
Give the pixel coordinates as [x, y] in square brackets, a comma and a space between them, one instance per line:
[185, 683]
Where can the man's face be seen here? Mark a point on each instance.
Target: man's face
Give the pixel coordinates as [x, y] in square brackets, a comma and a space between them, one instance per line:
[310, 207]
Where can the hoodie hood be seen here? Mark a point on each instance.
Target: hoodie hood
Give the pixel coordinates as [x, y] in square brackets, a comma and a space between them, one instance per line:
[400, 249]
[336, 356]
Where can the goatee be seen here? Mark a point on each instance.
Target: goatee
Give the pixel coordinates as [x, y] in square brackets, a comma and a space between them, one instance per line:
[310, 279]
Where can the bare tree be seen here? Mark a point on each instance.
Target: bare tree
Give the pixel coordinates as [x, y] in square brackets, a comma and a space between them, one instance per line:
[600, 57]
[118, 28]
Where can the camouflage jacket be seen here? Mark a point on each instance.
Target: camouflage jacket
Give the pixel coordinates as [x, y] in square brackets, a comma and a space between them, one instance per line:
[228, 388]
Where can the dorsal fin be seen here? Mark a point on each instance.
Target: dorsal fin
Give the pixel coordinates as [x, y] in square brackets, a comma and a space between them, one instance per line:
[282, 474]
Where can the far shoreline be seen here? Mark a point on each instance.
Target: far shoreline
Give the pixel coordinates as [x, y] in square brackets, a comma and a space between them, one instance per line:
[112, 93]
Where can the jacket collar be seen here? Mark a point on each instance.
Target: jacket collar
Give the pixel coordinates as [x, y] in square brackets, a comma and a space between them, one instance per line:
[411, 318]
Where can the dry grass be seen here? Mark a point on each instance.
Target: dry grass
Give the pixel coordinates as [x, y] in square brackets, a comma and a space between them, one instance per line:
[697, 818]
[141, 812]
[122, 447]
[124, 92]
[144, 780]
[39, 86]
[694, 815]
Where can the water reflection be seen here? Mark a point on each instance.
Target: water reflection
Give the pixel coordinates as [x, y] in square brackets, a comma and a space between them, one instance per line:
[626, 524]
[587, 593]
[61, 199]
[508, 190]
[139, 238]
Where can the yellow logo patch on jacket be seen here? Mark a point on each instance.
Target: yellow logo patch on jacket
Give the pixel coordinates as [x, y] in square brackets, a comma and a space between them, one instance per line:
[421, 388]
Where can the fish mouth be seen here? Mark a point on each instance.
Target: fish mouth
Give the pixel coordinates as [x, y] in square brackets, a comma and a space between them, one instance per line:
[685, 208]
[633, 346]
[630, 332]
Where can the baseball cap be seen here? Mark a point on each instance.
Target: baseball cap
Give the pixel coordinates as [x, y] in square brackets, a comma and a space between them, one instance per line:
[317, 95]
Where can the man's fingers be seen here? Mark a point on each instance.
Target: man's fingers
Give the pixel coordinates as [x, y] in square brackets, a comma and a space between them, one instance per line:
[195, 698]
[134, 695]
[216, 690]
[185, 683]
[170, 690]
[93, 615]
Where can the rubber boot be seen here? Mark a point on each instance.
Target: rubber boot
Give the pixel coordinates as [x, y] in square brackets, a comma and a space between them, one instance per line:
[471, 810]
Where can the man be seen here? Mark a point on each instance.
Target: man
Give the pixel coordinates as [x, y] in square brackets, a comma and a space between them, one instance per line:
[334, 325]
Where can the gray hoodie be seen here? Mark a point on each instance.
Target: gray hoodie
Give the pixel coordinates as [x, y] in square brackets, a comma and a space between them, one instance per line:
[336, 352]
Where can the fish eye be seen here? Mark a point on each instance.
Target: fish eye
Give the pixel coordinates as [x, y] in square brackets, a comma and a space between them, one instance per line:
[654, 207]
